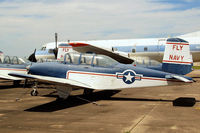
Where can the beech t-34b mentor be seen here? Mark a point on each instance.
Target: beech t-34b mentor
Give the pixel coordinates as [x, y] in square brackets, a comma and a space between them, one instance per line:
[100, 72]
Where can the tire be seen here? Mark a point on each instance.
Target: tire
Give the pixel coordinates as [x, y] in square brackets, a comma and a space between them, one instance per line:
[34, 93]
[16, 83]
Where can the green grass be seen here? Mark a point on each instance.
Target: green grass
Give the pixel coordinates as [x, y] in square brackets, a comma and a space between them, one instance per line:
[196, 67]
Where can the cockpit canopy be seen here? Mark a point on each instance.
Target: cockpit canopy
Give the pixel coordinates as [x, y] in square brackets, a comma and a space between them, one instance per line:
[13, 60]
[89, 59]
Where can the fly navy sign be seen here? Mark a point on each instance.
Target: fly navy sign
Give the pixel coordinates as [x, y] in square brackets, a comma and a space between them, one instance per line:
[129, 76]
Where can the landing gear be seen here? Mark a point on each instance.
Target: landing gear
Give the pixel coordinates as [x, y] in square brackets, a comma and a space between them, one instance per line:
[34, 92]
[63, 92]
[87, 91]
[16, 83]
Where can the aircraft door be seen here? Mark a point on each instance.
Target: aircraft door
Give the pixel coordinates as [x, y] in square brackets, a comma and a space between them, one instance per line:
[161, 44]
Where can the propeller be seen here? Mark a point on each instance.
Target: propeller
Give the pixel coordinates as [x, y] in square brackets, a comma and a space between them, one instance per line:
[55, 50]
[32, 57]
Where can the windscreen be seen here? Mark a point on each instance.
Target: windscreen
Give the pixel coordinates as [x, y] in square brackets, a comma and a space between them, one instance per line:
[104, 61]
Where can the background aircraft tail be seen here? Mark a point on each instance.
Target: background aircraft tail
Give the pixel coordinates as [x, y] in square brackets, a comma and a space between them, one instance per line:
[177, 57]
[62, 50]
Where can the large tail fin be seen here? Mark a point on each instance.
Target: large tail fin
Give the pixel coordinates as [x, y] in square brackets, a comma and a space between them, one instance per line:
[177, 57]
[63, 49]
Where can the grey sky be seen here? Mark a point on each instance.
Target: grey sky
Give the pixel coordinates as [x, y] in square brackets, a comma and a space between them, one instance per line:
[26, 25]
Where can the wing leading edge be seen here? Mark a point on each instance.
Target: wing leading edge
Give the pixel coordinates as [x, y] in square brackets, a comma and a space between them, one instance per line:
[86, 48]
[52, 80]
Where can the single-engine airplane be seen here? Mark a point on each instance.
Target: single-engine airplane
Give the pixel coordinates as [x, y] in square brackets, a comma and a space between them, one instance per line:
[99, 72]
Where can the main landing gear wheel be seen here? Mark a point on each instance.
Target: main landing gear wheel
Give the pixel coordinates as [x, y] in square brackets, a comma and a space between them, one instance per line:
[16, 83]
[87, 91]
[34, 92]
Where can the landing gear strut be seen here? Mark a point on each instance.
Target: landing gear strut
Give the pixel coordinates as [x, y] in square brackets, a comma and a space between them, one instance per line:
[87, 91]
[16, 83]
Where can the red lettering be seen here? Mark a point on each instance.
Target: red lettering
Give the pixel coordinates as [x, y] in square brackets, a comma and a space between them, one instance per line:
[170, 57]
[177, 47]
[175, 57]
[182, 57]
[181, 47]
[65, 49]
[174, 47]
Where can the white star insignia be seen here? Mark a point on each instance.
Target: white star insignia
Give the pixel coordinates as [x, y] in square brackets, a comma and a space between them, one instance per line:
[128, 77]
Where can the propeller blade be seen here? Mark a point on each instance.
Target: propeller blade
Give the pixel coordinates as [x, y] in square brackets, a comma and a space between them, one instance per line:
[32, 57]
[55, 51]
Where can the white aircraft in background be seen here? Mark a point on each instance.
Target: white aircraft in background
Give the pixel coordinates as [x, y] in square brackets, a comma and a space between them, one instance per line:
[137, 49]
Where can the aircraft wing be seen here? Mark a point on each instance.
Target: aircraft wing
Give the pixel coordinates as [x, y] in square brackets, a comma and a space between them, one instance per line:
[84, 48]
[7, 77]
[52, 80]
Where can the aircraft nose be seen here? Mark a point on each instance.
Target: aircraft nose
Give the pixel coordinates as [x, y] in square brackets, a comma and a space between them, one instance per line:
[35, 68]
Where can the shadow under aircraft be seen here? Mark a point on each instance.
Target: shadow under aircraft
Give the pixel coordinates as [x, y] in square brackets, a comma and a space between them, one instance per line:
[77, 100]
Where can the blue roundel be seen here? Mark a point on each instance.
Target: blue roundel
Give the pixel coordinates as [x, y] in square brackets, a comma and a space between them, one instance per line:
[129, 77]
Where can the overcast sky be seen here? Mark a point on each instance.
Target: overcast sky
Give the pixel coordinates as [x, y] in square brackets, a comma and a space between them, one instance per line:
[27, 24]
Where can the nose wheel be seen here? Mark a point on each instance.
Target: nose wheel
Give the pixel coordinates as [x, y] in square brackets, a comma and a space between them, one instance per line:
[34, 92]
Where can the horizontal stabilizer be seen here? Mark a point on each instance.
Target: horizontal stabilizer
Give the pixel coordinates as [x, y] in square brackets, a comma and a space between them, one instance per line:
[181, 78]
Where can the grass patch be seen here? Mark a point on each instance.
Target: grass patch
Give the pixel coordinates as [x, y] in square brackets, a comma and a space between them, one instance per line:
[196, 67]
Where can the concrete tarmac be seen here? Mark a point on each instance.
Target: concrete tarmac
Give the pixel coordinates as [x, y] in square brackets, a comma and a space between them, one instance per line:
[137, 110]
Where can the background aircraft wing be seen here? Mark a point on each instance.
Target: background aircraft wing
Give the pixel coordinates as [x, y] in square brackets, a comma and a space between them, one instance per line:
[87, 48]
[52, 80]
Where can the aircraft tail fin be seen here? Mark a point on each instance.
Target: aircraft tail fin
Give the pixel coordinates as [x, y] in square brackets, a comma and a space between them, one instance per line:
[62, 50]
[177, 57]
